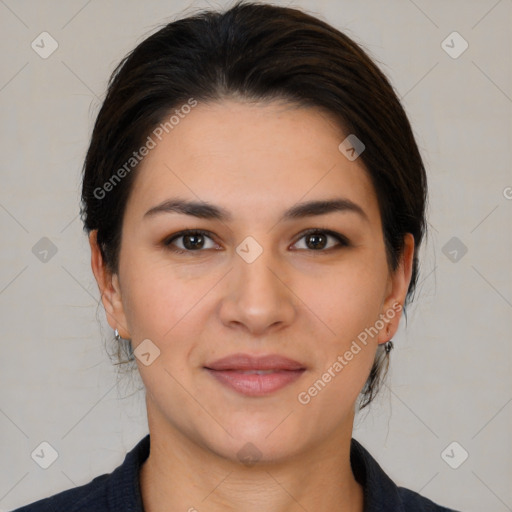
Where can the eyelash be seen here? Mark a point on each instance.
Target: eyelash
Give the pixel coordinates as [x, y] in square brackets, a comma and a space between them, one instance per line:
[343, 241]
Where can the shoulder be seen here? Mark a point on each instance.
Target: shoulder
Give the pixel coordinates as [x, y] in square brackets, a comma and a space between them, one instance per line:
[381, 494]
[414, 502]
[88, 497]
[111, 492]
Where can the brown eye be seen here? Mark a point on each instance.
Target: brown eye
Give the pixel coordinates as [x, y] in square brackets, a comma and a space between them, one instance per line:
[189, 241]
[318, 240]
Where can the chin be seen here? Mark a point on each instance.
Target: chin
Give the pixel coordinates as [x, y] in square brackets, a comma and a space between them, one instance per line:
[255, 441]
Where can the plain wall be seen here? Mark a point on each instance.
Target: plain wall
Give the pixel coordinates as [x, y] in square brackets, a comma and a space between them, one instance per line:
[450, 377]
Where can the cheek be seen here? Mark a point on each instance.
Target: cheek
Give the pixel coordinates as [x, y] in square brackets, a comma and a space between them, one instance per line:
[349, 310]
[160, 300]
[351, 301]
[150, 302]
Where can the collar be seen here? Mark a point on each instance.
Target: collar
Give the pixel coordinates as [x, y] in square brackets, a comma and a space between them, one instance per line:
[380, 492]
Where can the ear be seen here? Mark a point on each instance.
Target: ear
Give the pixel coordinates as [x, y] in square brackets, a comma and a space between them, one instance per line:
[110, 290]
[396, 291]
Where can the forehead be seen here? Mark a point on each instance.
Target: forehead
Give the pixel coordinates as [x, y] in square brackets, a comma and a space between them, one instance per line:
[250, 158]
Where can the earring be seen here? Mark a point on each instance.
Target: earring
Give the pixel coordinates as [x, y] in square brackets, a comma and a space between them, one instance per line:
[118, 336]
[388, 346]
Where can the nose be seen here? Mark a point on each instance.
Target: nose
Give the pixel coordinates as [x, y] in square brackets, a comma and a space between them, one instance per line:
[258, 299]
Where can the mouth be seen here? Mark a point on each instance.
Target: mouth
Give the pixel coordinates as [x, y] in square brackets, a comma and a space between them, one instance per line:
[255, 375]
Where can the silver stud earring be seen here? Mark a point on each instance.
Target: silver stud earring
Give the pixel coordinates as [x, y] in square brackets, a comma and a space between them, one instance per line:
[119, 337]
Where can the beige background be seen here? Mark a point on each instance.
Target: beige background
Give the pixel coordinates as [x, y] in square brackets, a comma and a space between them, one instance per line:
[451, 369]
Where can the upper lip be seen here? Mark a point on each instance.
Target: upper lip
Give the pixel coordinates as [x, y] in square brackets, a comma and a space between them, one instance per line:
[248, 362]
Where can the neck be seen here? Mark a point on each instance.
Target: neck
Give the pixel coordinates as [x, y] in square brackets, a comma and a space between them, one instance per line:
[180, 474]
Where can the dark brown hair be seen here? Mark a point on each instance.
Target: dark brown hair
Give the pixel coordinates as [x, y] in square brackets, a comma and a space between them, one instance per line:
[256, 52]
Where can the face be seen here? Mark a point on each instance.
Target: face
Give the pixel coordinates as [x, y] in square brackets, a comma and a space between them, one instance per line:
[266, 276]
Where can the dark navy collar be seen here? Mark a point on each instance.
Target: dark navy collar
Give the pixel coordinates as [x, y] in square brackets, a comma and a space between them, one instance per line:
[378, 488]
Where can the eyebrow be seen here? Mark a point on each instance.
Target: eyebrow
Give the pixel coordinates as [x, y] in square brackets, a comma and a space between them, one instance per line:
[204, 210]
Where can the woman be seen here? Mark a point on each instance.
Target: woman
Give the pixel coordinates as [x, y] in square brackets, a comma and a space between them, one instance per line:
[255, 203]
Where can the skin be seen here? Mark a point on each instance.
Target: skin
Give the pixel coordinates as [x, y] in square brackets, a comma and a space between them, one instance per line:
[309, 304]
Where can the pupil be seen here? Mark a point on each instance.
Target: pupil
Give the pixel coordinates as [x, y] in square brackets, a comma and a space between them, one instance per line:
[315, 244]
[194, 244]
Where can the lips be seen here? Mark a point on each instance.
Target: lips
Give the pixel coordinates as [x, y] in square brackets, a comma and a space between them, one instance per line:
[246, 362]
[255, 375]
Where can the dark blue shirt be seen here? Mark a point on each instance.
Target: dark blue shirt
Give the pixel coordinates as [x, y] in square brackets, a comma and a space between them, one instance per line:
[119, 491]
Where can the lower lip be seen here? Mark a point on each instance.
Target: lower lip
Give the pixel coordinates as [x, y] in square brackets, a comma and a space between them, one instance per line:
[252, 384]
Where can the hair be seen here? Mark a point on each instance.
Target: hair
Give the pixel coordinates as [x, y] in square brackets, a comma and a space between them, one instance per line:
[256, 52]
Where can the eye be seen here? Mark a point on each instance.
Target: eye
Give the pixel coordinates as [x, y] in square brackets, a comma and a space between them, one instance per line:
[193, 240]
[317, 239]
